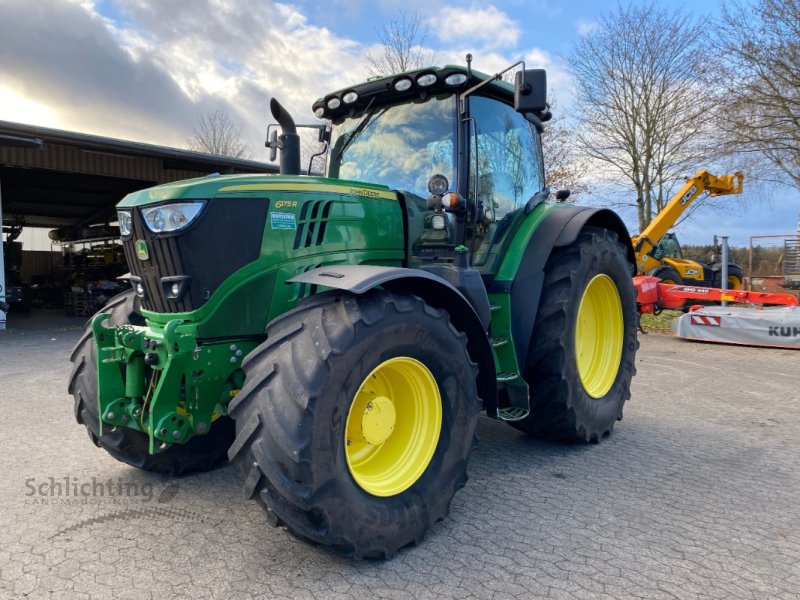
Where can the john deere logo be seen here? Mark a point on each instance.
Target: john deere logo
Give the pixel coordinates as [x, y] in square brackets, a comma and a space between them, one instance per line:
[141, 250]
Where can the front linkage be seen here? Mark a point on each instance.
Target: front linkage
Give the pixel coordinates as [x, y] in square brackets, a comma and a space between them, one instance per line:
[167, 384]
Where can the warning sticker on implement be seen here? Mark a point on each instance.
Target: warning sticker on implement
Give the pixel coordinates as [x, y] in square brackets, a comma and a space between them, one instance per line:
[282, 220]
[705, 320]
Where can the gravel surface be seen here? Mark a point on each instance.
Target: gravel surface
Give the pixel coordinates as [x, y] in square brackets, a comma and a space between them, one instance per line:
[695, 494]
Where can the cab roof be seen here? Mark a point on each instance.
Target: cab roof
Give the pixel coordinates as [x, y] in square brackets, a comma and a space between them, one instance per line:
[381, 91]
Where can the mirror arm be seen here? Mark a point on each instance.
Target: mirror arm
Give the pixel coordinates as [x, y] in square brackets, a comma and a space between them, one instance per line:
[462, 107]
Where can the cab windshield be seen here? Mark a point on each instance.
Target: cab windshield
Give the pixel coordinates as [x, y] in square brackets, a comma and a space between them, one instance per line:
[668, 247]
[397, 146]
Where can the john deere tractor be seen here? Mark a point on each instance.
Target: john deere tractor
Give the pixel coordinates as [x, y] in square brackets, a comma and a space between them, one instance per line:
[337, 337]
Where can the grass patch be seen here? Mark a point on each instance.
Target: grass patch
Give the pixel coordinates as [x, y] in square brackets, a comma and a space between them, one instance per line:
[659, 323]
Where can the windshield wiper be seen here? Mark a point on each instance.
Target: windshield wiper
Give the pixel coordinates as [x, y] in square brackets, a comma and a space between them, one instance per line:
[362, 125]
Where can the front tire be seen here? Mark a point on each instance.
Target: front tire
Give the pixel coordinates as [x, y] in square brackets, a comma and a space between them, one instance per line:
[668, 275]
[356, 421]
[200, 453]
[581, 358]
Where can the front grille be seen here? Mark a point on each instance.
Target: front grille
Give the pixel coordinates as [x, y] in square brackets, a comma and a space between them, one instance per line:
[225, 237]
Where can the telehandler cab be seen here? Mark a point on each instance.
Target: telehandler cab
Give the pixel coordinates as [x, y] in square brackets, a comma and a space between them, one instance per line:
[337, 337]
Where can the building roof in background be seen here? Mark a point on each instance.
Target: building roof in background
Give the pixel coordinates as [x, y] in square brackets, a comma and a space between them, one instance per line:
[53, 178]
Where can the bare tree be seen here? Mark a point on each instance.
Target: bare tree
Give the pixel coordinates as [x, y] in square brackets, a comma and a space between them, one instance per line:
[761, 50]
[216, 134]
[403, 47]
[564, 166]
[642, 102]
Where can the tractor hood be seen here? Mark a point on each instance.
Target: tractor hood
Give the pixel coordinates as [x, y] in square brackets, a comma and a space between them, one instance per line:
[237, 186]
[214, 240]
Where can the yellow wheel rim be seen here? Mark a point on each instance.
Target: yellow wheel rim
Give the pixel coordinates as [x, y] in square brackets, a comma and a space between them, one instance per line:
[393, 426]
[599, 336]
[734, 283]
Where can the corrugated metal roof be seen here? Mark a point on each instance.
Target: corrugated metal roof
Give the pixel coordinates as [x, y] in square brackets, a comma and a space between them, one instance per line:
[50, 177]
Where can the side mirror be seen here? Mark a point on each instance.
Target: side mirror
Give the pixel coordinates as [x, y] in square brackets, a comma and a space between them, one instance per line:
[530, 91]
[273, 145]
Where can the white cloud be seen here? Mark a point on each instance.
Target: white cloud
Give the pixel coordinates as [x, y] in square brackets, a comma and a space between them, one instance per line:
[485, 27]
[150, 74]
[147, 69]
[18, 108]
[585, 26]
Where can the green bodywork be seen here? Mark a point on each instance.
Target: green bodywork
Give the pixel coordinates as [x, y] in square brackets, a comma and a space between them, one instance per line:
[196, 357]
[174, 376]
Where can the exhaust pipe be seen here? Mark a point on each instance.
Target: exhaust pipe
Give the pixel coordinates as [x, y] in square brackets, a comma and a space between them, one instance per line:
[288, 140]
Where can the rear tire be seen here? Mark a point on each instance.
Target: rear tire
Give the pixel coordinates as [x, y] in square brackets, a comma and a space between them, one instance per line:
[294, 420]
[200, 453]
[735, 278]
[588, 280]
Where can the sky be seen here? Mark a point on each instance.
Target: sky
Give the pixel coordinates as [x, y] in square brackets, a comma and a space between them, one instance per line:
[145, 70]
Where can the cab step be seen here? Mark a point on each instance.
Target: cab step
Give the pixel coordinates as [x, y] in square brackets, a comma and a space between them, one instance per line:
[507, 377]
[511, 413]
[499, 341]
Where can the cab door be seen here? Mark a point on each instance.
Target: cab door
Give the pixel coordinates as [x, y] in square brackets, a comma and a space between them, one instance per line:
[506, 151]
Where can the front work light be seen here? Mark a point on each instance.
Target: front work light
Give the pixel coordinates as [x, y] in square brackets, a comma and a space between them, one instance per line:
[171, 217]
[426, 80]
[438, 184]
[401, 85]
[455, 79]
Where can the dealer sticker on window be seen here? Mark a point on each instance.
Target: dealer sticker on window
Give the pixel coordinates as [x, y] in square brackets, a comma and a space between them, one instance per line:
[282, 220]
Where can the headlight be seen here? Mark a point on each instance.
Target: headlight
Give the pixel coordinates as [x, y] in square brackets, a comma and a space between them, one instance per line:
[171, 217]
[125, 222]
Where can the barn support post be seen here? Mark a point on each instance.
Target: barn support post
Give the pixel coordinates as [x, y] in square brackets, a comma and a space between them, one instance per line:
[2, 263]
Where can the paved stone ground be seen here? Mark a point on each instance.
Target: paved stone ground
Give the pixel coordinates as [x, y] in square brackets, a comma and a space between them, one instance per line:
[696, 494]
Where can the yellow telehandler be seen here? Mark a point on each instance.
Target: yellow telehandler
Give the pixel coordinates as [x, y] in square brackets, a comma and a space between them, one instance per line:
[658, 253]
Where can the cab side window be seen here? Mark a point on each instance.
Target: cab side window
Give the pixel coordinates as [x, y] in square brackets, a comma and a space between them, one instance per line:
[510, 171]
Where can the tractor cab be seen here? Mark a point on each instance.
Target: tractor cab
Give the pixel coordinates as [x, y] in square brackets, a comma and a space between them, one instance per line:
[464, 157]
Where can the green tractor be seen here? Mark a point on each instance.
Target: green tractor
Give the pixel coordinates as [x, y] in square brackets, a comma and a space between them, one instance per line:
[337, 337]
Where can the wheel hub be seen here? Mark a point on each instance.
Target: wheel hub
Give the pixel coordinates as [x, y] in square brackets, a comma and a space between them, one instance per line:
[378, 420]
[599, 336]
[393, 426]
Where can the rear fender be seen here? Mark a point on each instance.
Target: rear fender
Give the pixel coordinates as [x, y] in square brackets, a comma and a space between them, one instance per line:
[560, 227]
[433, 290]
